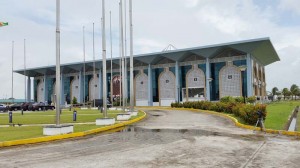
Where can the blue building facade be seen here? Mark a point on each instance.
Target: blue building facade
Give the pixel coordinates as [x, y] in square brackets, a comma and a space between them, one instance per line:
[192, 74]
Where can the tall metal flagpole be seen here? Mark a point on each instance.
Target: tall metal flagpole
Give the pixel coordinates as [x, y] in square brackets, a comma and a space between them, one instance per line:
[83, 66]
[125, 60]
[25, 68]
[94, 64]
[120, 63]
[131, 57]
[12, 72]
[111, 72]
[57, 62]
[104, 62]
[122, 52]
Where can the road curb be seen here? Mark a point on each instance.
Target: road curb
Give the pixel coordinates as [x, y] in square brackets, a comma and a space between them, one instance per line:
[238, 124]
[67, 136]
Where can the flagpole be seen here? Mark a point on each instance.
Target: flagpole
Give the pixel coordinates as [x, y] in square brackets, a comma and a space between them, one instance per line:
[12, 72]
[131, 57]
[94, 64]
[125, 60]
[120, 63]
[122, 54]
[111, 80]
[104, 62]
[83, 40]
[25, 68]
[57, 62]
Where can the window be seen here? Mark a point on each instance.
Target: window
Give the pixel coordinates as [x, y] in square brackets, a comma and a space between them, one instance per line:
[195, 79]
[167, 81]
[229, 77]
[142, 82]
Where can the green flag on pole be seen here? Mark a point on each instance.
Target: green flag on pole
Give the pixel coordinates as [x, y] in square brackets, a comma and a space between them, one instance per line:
[3, 24]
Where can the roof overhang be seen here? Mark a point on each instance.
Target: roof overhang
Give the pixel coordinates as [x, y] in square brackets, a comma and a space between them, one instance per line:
[261, 49]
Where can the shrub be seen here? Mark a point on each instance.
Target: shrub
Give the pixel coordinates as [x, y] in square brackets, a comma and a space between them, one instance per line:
[251, 99]
[74, 100]
[247, 112]
[227, 99]
[239, 99]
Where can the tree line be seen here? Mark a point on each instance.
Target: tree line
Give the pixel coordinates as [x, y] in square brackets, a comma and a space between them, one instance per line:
[286, 93]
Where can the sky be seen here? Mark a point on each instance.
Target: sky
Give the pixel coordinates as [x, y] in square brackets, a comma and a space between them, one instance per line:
[156, 24]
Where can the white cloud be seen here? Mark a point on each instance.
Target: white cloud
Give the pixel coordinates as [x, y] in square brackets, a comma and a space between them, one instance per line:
[290, 6]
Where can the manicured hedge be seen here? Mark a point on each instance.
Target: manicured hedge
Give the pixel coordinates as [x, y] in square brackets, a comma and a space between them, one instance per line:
[248, 112]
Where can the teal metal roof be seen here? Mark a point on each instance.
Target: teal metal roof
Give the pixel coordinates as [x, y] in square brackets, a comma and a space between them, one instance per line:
[261, 49]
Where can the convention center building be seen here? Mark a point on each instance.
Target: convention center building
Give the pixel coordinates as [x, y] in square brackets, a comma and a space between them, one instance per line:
[192, 74]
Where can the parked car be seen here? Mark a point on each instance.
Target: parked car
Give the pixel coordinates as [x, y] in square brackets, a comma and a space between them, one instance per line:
[25, 106]
[15, 107]
[3, 107]
[99, 103]
[40, 106]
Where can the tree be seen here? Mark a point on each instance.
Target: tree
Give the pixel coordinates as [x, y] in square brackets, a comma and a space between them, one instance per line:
[74, 101]
[294, 90]
[274, 92]
[285, 92]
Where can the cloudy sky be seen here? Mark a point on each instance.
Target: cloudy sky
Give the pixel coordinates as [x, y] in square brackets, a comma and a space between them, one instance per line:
[157, 23]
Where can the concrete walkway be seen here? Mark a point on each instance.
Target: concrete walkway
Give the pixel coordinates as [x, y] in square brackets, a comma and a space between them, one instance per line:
[164, 139]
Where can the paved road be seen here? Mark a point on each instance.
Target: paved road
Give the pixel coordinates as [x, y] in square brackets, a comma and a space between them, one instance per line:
[163, 139]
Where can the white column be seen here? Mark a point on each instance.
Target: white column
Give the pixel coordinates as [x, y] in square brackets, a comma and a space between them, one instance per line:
[208, 79]
[249, 76]
[150, 90]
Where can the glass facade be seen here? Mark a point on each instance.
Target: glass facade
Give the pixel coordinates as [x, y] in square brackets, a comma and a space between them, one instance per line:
[155, 74]
[214, 70]
[182, 72]
[50, 89]
[67, 88]
[35, 83]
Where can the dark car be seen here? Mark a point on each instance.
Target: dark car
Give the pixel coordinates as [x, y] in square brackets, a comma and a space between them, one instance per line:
[40, 106]
[99, 103]
[15, 107]
[3, 108]
[25, 106]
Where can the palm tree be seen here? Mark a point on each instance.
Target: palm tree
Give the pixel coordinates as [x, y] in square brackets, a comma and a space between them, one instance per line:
[294, 90]
[274, 92]
[285, 92]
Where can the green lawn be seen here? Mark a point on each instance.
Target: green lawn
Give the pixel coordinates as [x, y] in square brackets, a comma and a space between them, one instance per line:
[278, 114]
[48, 117]
[23, 132]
